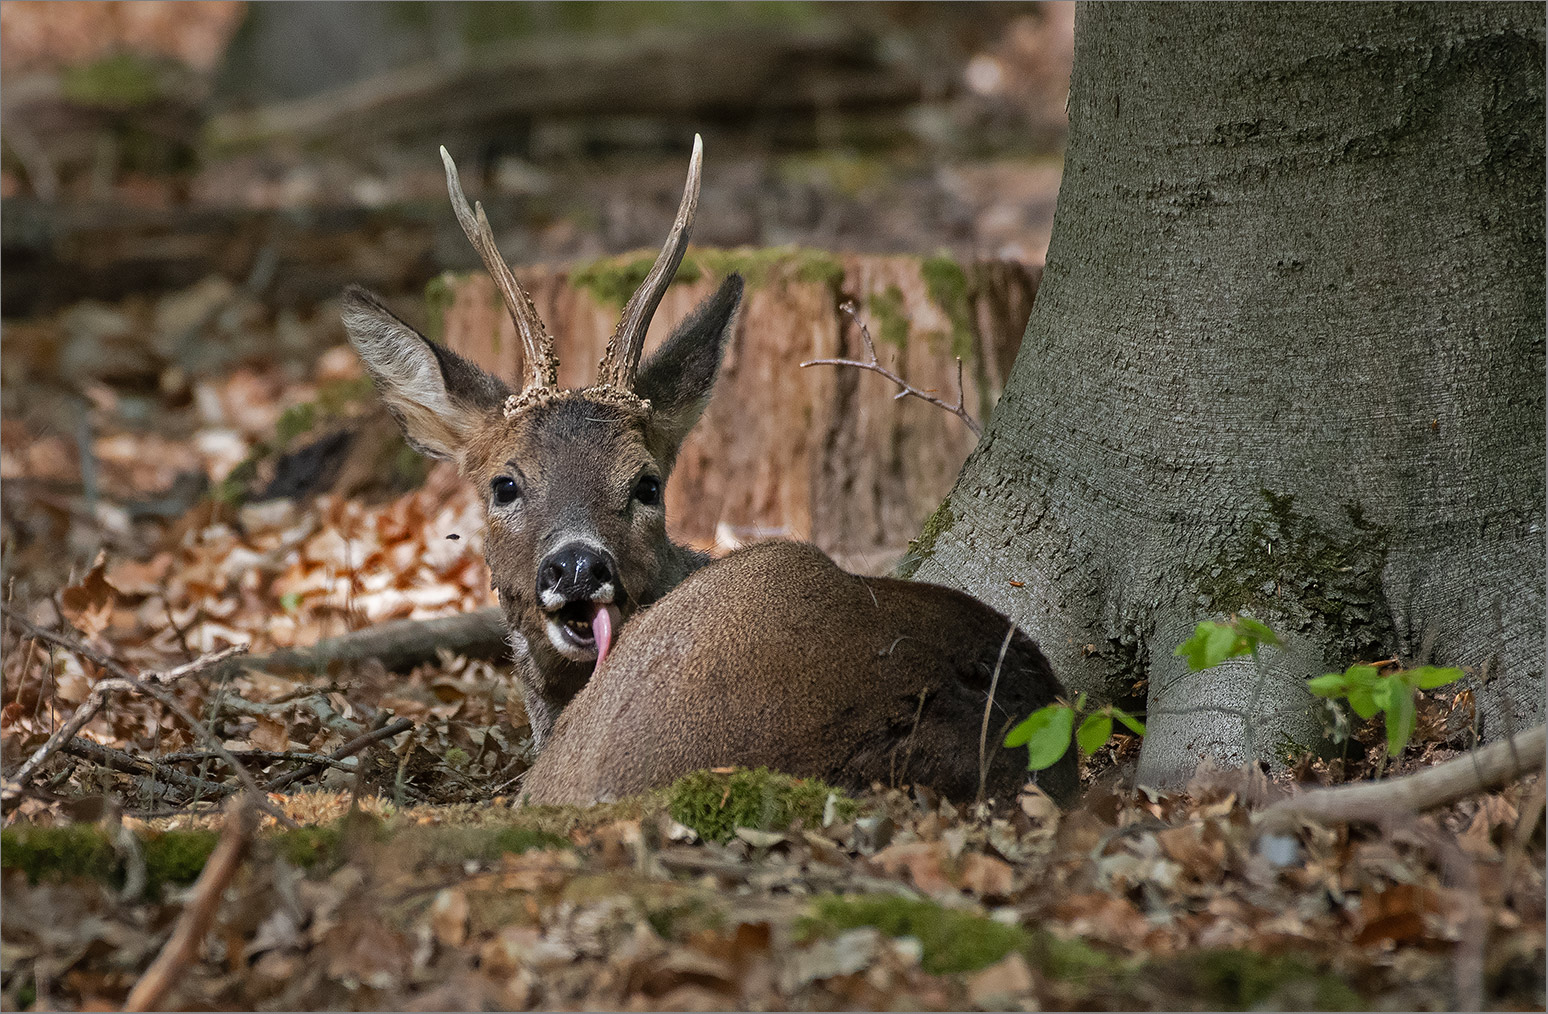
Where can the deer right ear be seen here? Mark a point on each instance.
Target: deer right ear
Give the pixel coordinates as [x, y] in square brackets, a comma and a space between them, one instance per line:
[438, 397]
[680, 377]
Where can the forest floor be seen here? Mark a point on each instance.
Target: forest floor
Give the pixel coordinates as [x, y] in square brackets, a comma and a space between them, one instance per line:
[416, 880]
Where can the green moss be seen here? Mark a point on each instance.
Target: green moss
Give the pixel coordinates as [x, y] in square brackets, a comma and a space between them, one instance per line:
[1073, 960]
[888, 316]
[762, 266]
[338, 397]
[612, 280]
[439, 293]
[951, 940]
[715, 805]
[309, 847]
[295, 420]
[1287, 565]
[175, 857]
[921, 549]
[1243, 980]
[117, 81]
[947, 285]
[55, 852]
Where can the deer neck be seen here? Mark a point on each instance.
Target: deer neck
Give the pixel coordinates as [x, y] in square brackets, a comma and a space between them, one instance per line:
[549, 681]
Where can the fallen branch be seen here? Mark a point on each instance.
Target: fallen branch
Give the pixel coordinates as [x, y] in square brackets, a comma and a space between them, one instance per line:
[354, 746]
[98, 698]
[132, 682]
[906, 389]
[397, 644]
[1372, 802]
[182, 947]
[119, 760]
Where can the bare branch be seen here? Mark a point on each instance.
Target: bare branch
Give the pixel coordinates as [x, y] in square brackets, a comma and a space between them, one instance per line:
[905, 389]
[354, 746]
[130, 681]
[983, 730]
[182, 948]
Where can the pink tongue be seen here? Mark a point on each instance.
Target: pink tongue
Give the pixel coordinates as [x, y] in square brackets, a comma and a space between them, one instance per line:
[602, 624]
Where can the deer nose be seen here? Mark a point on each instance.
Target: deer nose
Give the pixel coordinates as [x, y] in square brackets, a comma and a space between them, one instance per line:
[573, 573]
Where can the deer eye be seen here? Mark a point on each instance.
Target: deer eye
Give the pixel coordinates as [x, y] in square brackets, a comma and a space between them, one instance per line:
[648, 491]
[505, 490]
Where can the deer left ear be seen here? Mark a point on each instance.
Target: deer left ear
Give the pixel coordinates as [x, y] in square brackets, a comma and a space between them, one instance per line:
[439, 398]
[679, 378]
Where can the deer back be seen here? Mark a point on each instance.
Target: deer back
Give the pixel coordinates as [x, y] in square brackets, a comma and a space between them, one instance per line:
[775, 656]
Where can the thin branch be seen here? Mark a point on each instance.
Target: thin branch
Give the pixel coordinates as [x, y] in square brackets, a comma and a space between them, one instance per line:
[98, 698]
[906, 389]
[352, 747]
[182, 947]
[155, 690]
[983, 730]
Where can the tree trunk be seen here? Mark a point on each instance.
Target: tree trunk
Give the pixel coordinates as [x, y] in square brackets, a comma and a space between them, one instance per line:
[1288, 359]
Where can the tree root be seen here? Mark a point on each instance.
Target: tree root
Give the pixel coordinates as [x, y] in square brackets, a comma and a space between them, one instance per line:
[1374, 802]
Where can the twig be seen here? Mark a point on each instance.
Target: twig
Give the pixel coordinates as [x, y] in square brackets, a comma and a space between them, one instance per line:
[98, 698]
[182, 947]
[352, 747]
[154, 690]
[983, 730]
[1477, 771]
[121, 761]
[906, 389]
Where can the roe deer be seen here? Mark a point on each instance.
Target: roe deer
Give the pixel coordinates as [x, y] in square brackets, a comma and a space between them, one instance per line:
[771, 656]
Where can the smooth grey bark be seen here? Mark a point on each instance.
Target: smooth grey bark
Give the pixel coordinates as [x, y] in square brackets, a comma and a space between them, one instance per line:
[1287, 358]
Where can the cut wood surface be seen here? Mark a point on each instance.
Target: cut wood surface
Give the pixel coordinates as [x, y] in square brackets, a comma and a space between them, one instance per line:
[825, 454]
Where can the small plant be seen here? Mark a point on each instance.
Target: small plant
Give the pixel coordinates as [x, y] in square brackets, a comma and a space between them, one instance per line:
[1213, 643]
[1366, 689]
[1046, 732]
[1369, 692]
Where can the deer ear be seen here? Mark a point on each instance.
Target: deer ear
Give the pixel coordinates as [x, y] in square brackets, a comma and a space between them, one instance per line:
[678, 379]
[438, 397]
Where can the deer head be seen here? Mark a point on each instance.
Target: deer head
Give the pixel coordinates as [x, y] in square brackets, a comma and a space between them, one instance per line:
[573, 481]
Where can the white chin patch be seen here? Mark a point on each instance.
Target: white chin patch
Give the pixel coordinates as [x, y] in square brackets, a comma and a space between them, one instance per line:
[564, 646]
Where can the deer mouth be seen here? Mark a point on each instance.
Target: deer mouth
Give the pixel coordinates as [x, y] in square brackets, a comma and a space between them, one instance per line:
[584, 630]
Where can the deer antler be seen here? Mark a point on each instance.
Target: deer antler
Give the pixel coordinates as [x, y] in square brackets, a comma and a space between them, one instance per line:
[622, 359]
[537, 346]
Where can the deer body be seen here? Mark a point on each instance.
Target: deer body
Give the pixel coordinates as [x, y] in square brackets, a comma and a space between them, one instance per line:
[772, 656]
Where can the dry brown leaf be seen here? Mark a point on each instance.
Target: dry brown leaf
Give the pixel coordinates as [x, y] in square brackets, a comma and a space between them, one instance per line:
[89, 605]
[449, 916]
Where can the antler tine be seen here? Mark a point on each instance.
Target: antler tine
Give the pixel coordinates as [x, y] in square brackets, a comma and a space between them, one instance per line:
[538, 347]
[622, 360]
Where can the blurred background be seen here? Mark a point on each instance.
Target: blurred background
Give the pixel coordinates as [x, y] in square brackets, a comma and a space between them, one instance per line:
[187, 186]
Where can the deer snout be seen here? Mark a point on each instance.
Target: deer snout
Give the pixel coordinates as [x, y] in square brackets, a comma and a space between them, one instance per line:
[578, 588]
[576, 573]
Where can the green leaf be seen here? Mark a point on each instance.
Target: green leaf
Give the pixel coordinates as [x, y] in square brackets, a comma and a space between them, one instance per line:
[1362, 695]
[1428, 677]
[1024, 729]
[1401, 716]
[1135, 725]
[1334, 684]
[1255, 632]
[1211, 644]
[1094, 732]
[1046, 733]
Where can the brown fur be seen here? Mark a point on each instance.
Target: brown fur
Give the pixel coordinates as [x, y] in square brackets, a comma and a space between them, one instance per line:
[774, 656]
